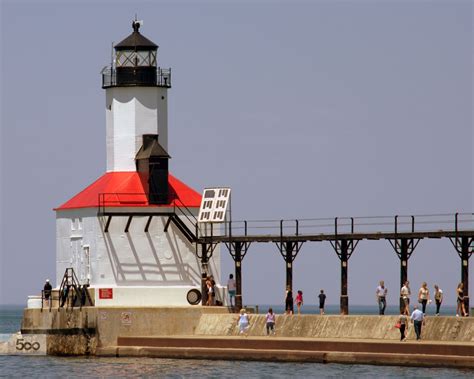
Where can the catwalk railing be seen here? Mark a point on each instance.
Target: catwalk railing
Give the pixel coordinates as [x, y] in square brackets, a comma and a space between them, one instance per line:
[160, 78]
[320, 229]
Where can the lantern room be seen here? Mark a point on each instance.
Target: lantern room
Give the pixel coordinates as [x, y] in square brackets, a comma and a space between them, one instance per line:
[135, 63]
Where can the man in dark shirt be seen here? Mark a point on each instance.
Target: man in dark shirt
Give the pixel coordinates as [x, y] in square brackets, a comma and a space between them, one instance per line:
[47, 291]
[322, 299]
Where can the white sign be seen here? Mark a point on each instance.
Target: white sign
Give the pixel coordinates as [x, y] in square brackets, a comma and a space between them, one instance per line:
[24, 344]
[214, 204]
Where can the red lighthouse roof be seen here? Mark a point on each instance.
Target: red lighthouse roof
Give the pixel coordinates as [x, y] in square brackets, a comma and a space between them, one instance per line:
[126, 189]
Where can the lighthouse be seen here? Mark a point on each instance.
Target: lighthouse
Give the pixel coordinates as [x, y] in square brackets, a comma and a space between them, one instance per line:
[130, 235]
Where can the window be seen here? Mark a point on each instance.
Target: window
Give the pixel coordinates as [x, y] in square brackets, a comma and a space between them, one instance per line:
[130, 58]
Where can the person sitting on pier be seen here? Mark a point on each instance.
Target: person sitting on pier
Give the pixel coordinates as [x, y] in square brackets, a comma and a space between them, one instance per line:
[322, 300]
[405, 293]
[47, 292]
[381, 293]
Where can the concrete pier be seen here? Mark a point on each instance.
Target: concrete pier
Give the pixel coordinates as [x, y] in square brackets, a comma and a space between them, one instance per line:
[428, 354]
[212, 333]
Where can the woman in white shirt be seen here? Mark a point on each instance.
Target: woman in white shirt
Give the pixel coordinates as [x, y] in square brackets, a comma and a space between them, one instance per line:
[423, 296]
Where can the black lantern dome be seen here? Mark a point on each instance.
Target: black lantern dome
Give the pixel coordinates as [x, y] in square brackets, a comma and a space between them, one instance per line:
[135, 63]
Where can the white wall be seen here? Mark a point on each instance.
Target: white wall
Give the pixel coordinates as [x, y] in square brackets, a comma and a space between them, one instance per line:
[133, 259]
[130, 113]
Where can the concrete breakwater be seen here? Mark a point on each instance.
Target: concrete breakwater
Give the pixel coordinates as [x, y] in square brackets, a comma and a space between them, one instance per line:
[357, 327]
[116, 331]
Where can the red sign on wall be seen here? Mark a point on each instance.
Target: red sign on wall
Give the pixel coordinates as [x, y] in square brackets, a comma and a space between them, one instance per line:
[106, 293]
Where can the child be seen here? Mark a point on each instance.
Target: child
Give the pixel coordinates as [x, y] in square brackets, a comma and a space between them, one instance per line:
[299, 301]
[243, 322]
[270, 318]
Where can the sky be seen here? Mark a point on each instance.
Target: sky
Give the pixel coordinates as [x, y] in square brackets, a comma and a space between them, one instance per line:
[306, 109]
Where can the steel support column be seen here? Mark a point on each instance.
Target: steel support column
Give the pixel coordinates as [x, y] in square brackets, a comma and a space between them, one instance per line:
[465, 255]
[204, 272]
[344, 302]
[344, 249]
[238, 250]
[404, 248]
[238, 276]
[289, 264]
[464, 248]
[289, 250]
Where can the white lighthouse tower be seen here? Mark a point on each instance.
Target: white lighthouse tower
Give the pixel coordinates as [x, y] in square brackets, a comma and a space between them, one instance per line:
[136, 100]
[130, 235]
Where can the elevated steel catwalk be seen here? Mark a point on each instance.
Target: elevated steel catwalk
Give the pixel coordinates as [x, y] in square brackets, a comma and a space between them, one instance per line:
[343, 233]
[335, 237]
[353, 228]
[403, 232]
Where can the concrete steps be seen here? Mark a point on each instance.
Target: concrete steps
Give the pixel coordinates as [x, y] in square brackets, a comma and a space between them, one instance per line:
[423, 353]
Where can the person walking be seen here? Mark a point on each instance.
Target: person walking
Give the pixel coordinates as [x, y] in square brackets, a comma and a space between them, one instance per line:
[418, 319]
[403, 321]
[322, 300]
[289, 301]
[461, 308]
[381, 293]
[438, 296]
[405, 293]
[423, 296]
[243, 322]
[231, 288]
[299, 301]
[270, 321]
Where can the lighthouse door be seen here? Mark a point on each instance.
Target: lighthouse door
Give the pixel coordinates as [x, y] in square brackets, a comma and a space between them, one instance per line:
[85, 270]
[77, 257]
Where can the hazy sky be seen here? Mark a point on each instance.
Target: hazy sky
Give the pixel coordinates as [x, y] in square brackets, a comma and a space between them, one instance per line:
[305, 109]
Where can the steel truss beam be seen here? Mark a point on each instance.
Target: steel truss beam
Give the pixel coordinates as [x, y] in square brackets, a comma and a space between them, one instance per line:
[344, 249]
[404, 248]
[289, 250]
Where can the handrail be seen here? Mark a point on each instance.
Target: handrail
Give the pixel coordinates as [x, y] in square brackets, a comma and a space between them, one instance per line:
[69, 283]
[446, 222]
[161, 79]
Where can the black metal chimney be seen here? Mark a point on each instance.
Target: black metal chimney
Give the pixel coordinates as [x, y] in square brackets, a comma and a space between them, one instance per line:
[152, 163]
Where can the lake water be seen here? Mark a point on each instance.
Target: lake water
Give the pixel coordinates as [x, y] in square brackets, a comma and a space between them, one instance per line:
[51, 367]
